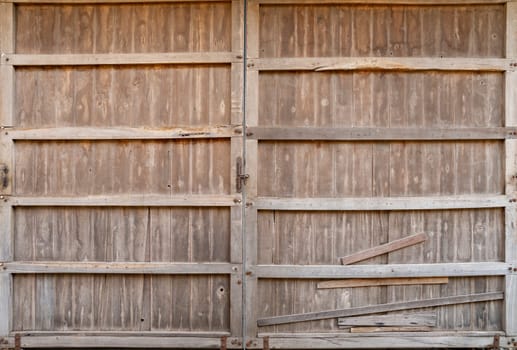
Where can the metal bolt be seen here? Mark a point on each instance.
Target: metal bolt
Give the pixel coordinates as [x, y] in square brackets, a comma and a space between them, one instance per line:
[235, 268]
[237, 200]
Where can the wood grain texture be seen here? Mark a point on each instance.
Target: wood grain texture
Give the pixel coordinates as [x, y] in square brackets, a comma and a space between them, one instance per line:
[358, 282]
[392, 320]
[293, 169]
[122, 234]
[387, 99]
[123, 28]
[383, 249]
[344, 30]
[111, 303]
[310, 316]
[106, 96]
[86, 168]
[389, 329]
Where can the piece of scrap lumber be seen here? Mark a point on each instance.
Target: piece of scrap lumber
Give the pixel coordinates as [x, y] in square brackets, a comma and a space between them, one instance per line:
[374, 282]
[427, 319]
[383, 249]
[381, 308]
[389, 329]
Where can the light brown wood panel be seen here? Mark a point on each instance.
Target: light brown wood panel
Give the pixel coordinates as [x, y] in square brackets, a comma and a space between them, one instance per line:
[396, 99]
[150, 96]
[120, 303]
[380, 30]
[314, 238]
[88, 168]
[282, 297]
[346, 169]
[123, 28]
[122, 234]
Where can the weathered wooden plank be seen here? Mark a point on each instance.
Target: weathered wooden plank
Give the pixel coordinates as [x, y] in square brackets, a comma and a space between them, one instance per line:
[383, 249]
[5, 303]
[198, 334]
[339, 334]
[454, 300]
[80, 341]
[371, 282]
[7, 21]
[510, 304]
[389, 329]
[117, 59]
[387, 2]
[144, 200]
[322, 64]
[86, 133]
[382, 271]
[397, 340]
[380, 134]
[237, 112]
[106, 1]
[392, 320]
[385, 203]
[58, 267]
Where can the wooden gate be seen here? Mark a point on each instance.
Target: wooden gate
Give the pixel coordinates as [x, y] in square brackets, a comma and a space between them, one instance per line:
[163, 186]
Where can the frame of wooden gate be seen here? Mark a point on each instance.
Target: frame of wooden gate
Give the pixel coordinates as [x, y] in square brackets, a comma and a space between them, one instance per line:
[244, 271]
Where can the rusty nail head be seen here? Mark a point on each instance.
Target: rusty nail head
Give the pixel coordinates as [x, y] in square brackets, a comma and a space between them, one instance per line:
[239, 282]
[235, 268]
[248, 273]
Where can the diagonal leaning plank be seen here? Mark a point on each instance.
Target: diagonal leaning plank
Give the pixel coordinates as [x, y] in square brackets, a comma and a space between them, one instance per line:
[373, 309]
[383, 249]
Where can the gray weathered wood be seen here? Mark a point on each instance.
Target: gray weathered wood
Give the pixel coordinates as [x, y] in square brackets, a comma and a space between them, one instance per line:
[372, 282]
[364, 310]
[85, 133]
[116, 59]
[5, 303]
[386, 203]
[144, 200]
[399, 320]
[380, 134]
[398, 340]
[383, 249]
[510, 305]
[321, 64]
[383, 271]
[390, 329]
[53, 267]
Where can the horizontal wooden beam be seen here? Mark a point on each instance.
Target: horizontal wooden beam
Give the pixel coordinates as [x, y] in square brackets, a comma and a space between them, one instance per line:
[386, 2]
[60, 267]
[86, 341]
[197, 334]
[379, 134]
[94, 133]
[383, 271]
[375, 282]
[322, 64]
[386, 341]
[381, 308]
[130, 200]
[383, 203]
[390, 329]
[118, 59]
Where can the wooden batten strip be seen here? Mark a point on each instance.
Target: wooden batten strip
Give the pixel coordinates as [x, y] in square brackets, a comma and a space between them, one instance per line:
[322, 64]
[380, 134]
[389, 329]
[375, 282]
[364, 310]
[128, 201]
[116, 268]
[383, 271]
[384, 2]
[118, 59]
[427, 319]
[384, 203]
[384, 249]
[95, 133]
